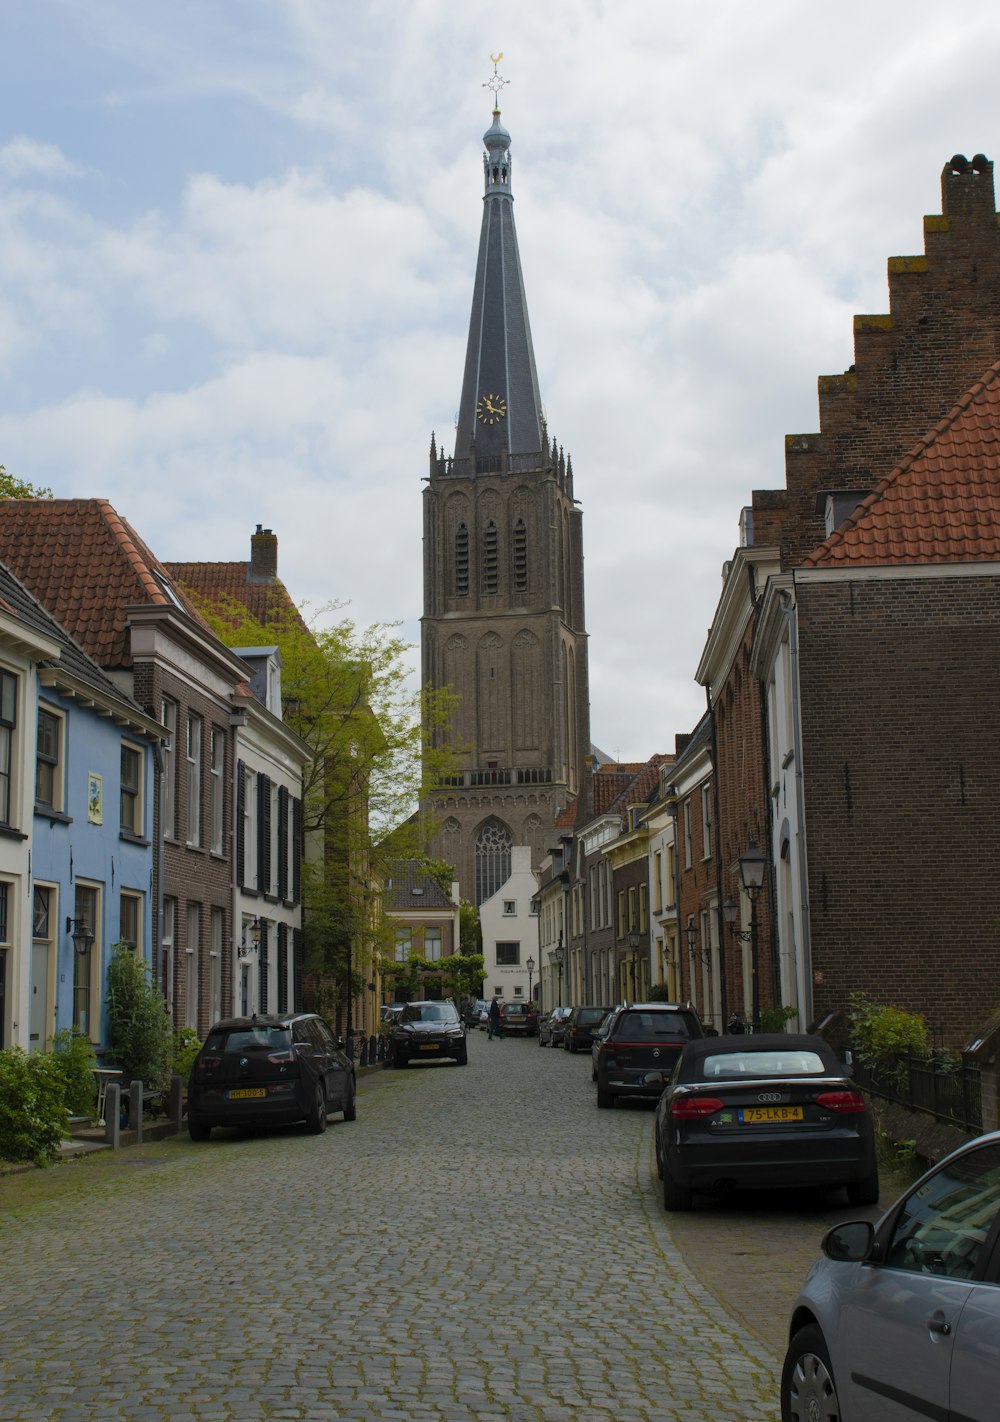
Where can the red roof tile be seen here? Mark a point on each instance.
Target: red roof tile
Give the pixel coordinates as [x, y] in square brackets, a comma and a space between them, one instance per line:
[941, 504]
[267, 600]
[84, 563]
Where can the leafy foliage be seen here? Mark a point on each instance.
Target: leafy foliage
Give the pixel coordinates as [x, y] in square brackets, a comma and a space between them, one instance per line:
[32, 1106]
[458, 976]
[139, 1028]
[75, 1060]
[776, 1019]
[184, 1049]
[883, 1035]
[11, 488]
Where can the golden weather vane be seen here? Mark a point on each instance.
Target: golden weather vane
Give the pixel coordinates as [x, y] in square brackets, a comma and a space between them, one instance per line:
[497, 82]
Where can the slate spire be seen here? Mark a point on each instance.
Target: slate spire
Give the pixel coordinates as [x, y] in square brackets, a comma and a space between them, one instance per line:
[501, 409]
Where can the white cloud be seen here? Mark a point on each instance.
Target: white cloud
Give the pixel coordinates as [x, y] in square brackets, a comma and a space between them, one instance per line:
[23, 157]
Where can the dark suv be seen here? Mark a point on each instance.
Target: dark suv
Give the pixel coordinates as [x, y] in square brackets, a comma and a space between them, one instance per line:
[641, 1048]
[256, 1070]
[581, 1026]
[425, 1031]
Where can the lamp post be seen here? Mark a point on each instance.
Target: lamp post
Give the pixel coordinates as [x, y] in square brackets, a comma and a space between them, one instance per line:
[691, 935]
[753, 867]
[557, 955]
[530, 965]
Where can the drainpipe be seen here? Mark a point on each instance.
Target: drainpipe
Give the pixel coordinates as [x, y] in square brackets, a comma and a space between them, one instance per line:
[805, 947]
[720, 921]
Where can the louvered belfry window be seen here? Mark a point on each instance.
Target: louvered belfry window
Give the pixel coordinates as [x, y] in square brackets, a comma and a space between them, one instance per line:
[520, 556]
[462, 560]
[491, 564]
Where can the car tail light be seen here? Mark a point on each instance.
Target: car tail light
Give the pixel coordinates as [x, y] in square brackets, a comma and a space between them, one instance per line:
[689, 1108]
[846, 1101]
[281, 1058]
[209, 1064]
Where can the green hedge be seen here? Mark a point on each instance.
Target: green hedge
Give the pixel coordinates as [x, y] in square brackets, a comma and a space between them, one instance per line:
[33, 1112]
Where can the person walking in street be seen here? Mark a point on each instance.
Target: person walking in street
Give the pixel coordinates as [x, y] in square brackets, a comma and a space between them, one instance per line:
[494, 1026]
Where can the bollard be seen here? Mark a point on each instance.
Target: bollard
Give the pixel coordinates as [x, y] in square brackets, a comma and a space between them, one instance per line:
[135, 1110]
[177, 1102]
[112, 1115]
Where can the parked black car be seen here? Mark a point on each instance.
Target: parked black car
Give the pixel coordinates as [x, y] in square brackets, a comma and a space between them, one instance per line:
[269, 1069]
[552, 1026]
[763, 1111]
[641, 1048]
[425, 1031]
[518, 1019]
[581, 1025]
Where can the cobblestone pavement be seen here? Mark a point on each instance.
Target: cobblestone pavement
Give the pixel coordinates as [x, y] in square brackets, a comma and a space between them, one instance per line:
[385, 1270]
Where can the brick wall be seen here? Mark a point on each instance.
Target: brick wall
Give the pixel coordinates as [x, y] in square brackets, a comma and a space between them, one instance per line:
[900, 685]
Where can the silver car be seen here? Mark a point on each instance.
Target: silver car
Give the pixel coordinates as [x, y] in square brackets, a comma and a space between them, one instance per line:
[901, 1320]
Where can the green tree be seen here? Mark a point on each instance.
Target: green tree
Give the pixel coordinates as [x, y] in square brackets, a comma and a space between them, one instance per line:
[11, 488]
[139, 1028]
[375, 742]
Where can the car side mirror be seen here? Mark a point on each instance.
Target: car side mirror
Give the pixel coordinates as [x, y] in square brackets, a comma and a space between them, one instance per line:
[849, 1243]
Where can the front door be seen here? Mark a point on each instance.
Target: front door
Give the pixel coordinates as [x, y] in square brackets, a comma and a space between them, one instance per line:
[39, 1020]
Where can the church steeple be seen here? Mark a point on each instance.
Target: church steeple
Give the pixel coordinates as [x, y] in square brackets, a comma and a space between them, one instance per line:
[501, 409]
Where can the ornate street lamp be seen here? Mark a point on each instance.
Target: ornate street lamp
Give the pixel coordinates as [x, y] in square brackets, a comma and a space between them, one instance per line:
[79, 931]
[556, 956]
[753, 869]
[530, 965]
[633, 940]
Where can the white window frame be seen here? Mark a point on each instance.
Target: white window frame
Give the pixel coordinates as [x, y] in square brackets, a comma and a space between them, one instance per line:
[432, 944]
[706, 821]
[192, 960]
[137, 898]
[217, 925]
[193, 782]
[168, 788]
[9, 749]
[217, 797]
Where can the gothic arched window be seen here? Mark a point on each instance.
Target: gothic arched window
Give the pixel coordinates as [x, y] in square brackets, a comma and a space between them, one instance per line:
[520, 555]
[491, 559]
[493, 846]
[462, 560]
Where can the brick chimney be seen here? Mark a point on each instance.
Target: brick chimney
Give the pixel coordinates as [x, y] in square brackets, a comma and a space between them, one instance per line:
[263, 556]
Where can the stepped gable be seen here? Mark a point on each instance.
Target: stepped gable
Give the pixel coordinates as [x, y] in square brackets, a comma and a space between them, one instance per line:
[941, 332]
[254, 585]
[84, 563]
[942, 503]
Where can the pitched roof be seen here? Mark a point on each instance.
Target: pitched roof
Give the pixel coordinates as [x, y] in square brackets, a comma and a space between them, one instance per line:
[72, 659]
[84, 563]
[267, 600]
[409, 887]
[942, 502]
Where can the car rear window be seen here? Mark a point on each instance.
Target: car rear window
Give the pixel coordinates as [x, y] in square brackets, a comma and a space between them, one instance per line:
[589, 1015]
[515, 1009]
[249, 1039]
[651, 1026]
[775, 1063]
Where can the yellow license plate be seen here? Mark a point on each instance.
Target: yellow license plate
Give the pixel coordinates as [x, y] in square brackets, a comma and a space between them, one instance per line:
[429, 1047]
[242, 1093]
[755, 1115]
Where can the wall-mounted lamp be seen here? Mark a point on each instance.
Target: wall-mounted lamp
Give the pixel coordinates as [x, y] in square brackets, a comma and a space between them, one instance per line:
[79, 931]
[251, 936]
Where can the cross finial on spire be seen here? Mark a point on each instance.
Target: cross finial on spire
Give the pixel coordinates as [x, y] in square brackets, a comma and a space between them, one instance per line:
[497, 82]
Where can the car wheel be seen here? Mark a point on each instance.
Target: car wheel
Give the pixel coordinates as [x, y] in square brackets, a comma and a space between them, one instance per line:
[659, 1159]
[351, 1105]
[864, 1192]
[593, 1074]
[605, 1096]
[198, 1132]
[463, 1057]
[808, 1391]
[675, 1197]
[316, 1120]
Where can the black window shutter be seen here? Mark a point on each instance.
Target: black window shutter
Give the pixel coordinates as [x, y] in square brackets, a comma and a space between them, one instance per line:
[297, 969]
[282, 842]
[262, 966]
[241, 846]
[297, 850]
[263, 834]
[282, 967]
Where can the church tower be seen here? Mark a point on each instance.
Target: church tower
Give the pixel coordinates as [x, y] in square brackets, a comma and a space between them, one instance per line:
[503, 622]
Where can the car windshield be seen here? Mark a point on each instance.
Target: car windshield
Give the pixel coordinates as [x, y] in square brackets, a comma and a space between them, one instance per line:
[651, 1026]
[429, 1012]
[590, 1015]
[772, 1063]
[249, 1039]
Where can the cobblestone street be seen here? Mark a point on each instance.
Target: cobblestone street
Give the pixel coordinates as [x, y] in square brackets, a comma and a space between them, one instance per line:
[481, 1244]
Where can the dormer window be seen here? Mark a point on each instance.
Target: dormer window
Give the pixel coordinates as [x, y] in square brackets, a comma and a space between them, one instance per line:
[838, 505]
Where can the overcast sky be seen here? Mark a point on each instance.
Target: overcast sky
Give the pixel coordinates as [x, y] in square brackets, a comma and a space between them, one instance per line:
[238, 240]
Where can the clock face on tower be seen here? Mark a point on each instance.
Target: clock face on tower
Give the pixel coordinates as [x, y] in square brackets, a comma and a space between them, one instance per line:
[491, 409]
